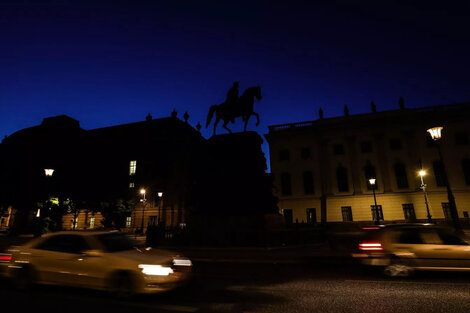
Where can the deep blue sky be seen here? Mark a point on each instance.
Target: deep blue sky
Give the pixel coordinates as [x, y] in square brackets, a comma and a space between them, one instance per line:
[114, 62]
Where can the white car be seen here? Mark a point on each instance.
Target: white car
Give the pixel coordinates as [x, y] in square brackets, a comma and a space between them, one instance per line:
[97, 260]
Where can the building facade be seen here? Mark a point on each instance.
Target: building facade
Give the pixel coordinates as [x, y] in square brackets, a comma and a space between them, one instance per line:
[322, 168]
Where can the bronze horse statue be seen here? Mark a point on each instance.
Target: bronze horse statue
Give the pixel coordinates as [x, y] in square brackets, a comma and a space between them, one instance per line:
[243, 108]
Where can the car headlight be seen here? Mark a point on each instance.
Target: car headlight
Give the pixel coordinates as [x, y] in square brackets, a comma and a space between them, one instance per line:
[158, 270]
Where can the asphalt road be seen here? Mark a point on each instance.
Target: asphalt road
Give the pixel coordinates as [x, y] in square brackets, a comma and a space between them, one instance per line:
[244, 287]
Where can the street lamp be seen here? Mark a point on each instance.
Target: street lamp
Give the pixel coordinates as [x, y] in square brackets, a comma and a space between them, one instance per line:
[436, 135]
[48, 171]
[160, 198]
[377, 217]
[144, 202]
[423, 186]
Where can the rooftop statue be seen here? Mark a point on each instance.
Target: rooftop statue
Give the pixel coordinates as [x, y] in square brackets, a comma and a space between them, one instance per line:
[235, 106]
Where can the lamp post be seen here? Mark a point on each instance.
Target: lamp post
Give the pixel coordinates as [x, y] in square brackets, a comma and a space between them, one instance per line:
[423, 186]
[377, 217]
[436, 135]
[48, 172]
[144, 202]
[160, 198]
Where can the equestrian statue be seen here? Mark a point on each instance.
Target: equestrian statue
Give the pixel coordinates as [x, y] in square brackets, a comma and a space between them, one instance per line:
[235, 106]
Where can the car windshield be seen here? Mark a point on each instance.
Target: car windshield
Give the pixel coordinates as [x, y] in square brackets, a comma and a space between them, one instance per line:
[116, 242]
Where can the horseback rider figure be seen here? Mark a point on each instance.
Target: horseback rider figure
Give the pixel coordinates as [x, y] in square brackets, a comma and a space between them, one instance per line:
[235, 106]
[232, 100]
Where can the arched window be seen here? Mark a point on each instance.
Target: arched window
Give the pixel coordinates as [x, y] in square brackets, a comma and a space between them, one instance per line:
[400, 174]
[342, 178]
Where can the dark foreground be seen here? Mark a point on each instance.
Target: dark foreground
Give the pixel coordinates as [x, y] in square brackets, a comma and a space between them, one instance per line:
[245, 287]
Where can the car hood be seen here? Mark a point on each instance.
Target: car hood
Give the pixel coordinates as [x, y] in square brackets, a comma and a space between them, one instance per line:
[154, 256]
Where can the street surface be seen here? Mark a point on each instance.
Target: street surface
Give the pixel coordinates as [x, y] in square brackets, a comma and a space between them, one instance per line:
[256, 287]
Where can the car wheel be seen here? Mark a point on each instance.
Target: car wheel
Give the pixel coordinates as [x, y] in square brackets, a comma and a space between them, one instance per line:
[123, 286]
[398, 268]
[23, 278]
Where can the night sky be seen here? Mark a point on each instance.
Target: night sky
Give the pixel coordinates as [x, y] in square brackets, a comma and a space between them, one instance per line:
[112, 62]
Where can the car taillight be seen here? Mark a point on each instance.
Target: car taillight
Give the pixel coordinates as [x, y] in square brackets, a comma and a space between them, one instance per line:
[5, 257]
[370, 246]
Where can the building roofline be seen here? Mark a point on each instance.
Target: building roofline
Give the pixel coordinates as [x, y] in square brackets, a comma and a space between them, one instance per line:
[381, 114]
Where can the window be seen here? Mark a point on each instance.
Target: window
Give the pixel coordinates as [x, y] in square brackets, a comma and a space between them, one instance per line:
[446, 210]
[409, 212]
[400, 174]
[128, 221]
[284, 155]
[342, 179]
[395, 144]
[465, 214]
[338, 149]
[132, 167]
[288, 217]
[286, 188]
[312, 215]
[461, 138]
[374, 212]
[430, 236]
[305, 153]
[346, 211]
[64, 243]
[131, 185]
[74, 222]
[466, 170]
[439, 173]
[410, 236]
[369, 172]
[366, 147]
[92, 223]
[450, 239]
[308, 183]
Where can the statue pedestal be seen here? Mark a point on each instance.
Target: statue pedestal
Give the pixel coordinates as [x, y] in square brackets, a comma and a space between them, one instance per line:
[235, 192]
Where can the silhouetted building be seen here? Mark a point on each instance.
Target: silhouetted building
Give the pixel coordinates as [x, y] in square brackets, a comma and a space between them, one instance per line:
[322, 167]
[110, 165]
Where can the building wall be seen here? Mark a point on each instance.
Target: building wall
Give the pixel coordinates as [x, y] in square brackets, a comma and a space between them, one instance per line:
[408, 127]
[170, 217]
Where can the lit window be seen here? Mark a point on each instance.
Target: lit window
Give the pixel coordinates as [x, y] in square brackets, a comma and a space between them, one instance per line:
[377, 209]
[346, 211]
[74, 222]
[311, 216]
[92, 222]
[132, 167]
[128, 221]
[409, 211]
[131, 185]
